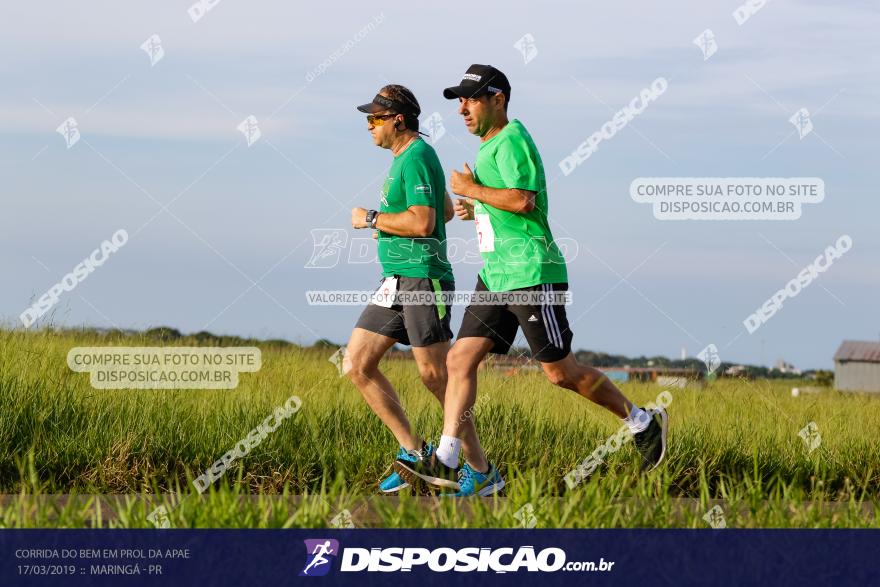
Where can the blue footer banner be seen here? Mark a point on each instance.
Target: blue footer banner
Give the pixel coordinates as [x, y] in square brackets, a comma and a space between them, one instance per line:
[427, 557]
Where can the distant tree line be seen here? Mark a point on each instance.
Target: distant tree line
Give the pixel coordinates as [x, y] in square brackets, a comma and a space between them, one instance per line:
[167, 334]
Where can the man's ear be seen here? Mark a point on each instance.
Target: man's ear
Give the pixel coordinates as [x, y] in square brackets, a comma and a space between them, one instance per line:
[499, 99]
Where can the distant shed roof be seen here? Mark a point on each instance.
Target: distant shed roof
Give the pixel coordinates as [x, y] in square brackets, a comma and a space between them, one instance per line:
[858, 350]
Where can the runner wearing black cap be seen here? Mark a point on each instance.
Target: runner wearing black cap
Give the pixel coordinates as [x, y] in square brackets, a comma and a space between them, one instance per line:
[410, 221]
[507, 197]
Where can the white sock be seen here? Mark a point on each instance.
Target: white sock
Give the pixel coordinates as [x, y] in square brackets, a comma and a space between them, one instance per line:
[637, 420]
[447, 451]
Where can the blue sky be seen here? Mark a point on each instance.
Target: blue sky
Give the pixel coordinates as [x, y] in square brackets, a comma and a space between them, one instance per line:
[167, 133]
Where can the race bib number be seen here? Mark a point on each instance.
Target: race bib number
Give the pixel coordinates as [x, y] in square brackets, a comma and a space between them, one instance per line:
[485, 234]
[384, 296]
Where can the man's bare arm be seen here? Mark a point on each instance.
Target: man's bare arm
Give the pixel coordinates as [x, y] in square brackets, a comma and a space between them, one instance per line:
[448, 209]
[509, 199]
[415, 222]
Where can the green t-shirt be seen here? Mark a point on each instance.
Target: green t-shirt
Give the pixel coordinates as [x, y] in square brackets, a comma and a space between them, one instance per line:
[415, 179]
[518, 249]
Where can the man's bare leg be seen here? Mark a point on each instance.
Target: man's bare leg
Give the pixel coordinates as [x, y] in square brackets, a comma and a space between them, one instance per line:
[431, 361]
[364, 351]
[589, 383]
[461, 394]
[462, 364]
[649, 428]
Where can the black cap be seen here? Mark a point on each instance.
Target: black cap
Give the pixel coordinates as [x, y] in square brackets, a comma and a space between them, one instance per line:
[479, 80]
[381, 103]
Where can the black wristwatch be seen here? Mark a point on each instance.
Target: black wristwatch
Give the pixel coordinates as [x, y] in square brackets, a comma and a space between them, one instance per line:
[372, 216]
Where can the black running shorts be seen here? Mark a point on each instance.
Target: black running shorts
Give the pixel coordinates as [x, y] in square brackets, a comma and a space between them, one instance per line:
[417, 325]
[544, 325]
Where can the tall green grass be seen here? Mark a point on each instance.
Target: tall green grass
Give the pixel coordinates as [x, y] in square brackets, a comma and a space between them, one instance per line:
[734, 443]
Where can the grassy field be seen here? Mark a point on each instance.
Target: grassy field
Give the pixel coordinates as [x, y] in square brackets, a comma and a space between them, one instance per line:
[734, 445]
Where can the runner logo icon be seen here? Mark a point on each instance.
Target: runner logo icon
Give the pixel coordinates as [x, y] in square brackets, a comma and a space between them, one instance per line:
[320, 554]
